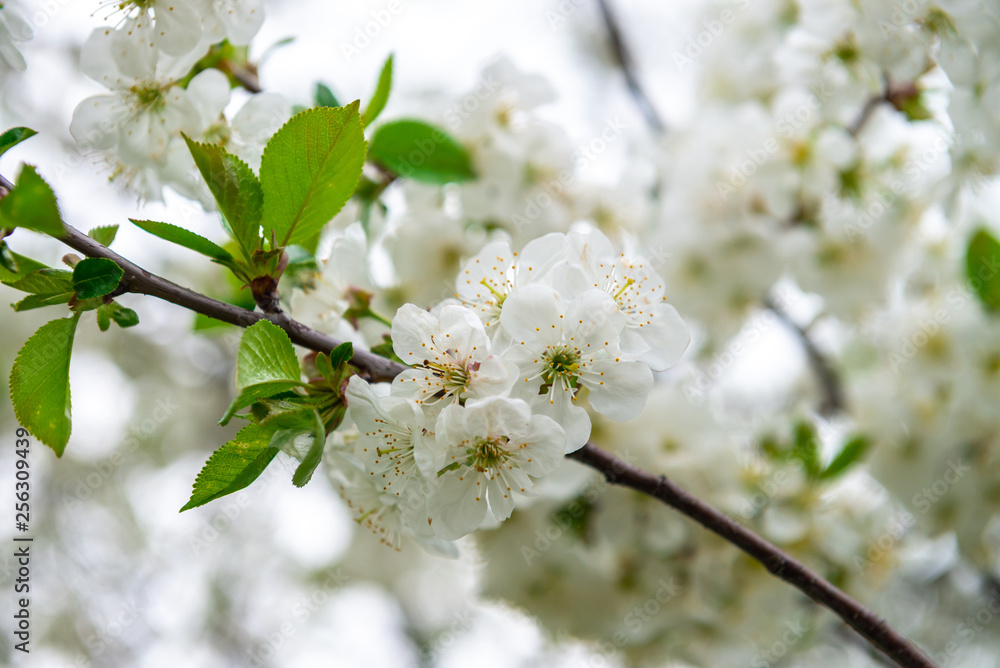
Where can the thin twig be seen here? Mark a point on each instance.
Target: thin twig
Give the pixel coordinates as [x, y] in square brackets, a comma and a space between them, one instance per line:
[139, 281]
[376, 368]
[829, 382]
[624, 58]
[782, 565]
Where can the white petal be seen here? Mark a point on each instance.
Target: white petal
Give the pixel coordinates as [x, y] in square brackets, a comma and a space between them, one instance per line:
[133, 50]
[97, 62]
[240, 20]
[558, 404]
[412, 329]
[532, 313]
[595, 320]
[458, 505]
[618, 389]
[666, 335]
[177, 29]
[209, 92]
[95, 121]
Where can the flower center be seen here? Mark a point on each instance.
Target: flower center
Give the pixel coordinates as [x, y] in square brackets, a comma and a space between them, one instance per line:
[488, 453]
[561, 362]
[454, 376]
[148, 96]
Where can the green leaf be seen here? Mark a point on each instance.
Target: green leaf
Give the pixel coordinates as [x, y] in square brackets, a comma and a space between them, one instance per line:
[96, 277]
[265, 366]
[236, 190]
[314, 456]
[342, 354]
[324, 367]
[381, 96]
[324, 97]
[309, 170]
[104, 317]
[104, 235]
[413, 149]
[124, 317]
[187, 239]
[851, 453]
[23, 266]
[806, 448]
[386, 350]
[44, 281]
[13, 137]
[31, 205]
[39, 383]
[233, 466]
[39, 301]
[982, 266]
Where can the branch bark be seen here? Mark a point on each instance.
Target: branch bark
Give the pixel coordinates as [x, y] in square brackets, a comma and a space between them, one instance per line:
[616, 471]
[624, 58]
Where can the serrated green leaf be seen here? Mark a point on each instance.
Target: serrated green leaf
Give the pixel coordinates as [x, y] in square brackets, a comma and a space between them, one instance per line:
[324, 97]
[187, 239]
[304, 472]
[324, 367]
[104, 235]
[123, 316]
[44, 281]
[381, 96]
[31, 205]
[39, 301]
[104, 317]
[39, 383]
[25, 266]
[236, 190]
[419, 151]
[982, 266]
[265, 366]
[342, 354]
[13, 137]
[309, 170]
[233, 466]
[851, 453]
[96, 277]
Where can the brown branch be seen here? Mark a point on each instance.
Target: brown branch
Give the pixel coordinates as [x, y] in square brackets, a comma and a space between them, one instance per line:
[616, 471]
[139, 281]
[829, 382]
[782, 565]
[624, 59]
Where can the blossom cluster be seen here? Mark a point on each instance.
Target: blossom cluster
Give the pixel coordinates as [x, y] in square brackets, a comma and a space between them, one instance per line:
[147, 61]
[498, 380]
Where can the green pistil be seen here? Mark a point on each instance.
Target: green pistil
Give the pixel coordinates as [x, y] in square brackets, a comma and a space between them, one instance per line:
[561, 362]
[500, 297]
[149, 97]
[487, 453]
[624, 287]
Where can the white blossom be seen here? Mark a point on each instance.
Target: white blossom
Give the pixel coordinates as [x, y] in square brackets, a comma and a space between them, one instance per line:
[561, 347]
[488, 450]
